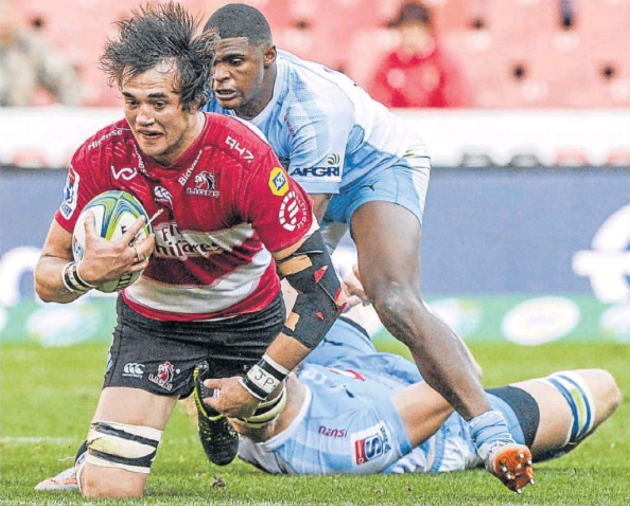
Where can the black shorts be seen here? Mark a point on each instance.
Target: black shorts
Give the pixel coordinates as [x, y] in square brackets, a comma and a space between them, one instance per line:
[160, 356]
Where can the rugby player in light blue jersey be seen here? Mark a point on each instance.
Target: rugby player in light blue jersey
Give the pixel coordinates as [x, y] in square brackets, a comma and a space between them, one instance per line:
[351, 409]
[363, 168]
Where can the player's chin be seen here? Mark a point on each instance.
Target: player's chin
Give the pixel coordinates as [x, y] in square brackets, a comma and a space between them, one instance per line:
[151, 145]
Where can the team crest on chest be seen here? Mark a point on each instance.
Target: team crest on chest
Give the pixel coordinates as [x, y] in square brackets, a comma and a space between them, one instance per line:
[204, 185]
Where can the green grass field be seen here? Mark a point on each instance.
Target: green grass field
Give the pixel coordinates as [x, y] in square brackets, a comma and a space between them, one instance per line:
[48, 395]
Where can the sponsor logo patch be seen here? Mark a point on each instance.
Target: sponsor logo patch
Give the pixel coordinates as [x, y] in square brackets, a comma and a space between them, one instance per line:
[245, 153]
[70, 194]
[133, 370]
[125, 173]
[163, 195]
[184, 177]
[369, 444]
[110, 362]
[293, 213]
[333, 159]
[332, 432]
[331, 170]
[171, 242]
[164, 377]
[96, 143]
[278, 182]
[316, 171]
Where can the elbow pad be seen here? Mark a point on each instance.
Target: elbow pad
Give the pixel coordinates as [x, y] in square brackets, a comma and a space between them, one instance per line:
[320, 298]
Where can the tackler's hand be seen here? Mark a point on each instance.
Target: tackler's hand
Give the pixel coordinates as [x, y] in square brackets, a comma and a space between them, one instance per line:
[353, 288]
[230, 398]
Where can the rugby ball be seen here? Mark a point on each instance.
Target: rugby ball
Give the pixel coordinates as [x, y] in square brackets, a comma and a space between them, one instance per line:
[114, 211]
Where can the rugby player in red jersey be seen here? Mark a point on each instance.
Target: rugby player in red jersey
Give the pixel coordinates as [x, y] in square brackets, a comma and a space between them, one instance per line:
[208, 301]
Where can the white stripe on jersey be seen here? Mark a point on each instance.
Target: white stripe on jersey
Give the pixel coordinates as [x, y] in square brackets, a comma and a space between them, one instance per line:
[198, 299]
[173, 242]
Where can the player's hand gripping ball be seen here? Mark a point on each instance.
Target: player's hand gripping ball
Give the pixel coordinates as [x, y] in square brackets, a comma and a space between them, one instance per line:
[114, 211]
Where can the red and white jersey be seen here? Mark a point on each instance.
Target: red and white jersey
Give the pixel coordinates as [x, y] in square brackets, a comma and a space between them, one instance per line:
[227, 204]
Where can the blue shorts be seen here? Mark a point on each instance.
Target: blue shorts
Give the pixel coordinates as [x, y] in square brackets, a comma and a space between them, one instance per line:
[404, 184]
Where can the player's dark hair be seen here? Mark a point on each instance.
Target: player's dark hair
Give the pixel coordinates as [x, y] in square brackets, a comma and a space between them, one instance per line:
[164, 32]
[240, 20]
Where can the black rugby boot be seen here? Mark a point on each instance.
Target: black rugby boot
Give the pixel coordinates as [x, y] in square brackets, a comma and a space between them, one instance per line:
[218, 437]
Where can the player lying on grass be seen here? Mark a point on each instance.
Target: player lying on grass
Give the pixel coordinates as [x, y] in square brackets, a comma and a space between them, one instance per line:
[351, 409]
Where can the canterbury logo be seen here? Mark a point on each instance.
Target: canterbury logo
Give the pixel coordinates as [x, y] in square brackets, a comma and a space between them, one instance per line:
[133, 369]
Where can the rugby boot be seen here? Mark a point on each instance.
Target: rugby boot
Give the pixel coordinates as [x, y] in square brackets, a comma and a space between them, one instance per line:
[218, 438]
[65, 481]
[512, 464]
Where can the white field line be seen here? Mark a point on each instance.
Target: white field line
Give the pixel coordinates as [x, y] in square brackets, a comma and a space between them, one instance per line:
[29, 440]
[25, 440]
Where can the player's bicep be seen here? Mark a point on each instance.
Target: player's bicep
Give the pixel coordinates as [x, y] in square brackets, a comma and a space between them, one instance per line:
[278, 208]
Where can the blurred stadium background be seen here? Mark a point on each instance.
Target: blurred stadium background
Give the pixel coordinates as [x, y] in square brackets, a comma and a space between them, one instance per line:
[527, 225]
[526, 232]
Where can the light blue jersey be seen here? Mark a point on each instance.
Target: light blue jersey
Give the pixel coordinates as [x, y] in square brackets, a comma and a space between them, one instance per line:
[348, 425]
[332, 137]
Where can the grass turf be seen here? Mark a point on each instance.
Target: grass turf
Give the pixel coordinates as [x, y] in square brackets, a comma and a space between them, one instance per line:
[48, 396]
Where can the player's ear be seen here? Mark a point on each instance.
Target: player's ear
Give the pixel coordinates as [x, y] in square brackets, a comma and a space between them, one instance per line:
[269, 55]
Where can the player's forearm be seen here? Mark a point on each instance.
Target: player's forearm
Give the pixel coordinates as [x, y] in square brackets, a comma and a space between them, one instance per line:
[287, 351]
[49, 284]
[309, 270]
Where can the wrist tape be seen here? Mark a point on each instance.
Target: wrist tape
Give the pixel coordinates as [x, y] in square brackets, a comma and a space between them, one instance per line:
[72, 280]
[264, 377]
